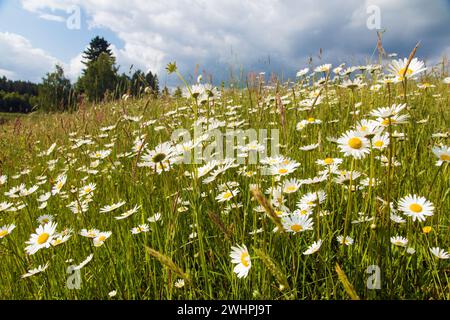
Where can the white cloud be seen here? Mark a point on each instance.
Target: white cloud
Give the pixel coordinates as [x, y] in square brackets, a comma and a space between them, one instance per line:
[21, 61]
[215, 34]
[74, 68]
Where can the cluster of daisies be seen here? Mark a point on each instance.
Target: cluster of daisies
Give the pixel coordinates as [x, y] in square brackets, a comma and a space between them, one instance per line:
[97, 156]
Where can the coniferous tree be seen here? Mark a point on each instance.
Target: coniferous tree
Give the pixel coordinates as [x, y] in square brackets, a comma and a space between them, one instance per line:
[99, 77]
[97, 46]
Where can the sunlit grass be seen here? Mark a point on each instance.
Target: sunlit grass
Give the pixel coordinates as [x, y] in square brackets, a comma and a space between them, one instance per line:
[193, 238]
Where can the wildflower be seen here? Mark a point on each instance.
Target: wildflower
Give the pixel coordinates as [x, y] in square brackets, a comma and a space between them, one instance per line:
[297, 223]
[6, 230]
[112, 207]
[416, 207]
[37, 270]
[140, 228]
[60, 181]
[398, 68]
[440, 253]
[329, 161]
[323, 68]
[87, 189]
[291, 186]
[240, 256]
[85, 262]
[284, 169]
[112, 294]
[42, 238]
[46, 218]
[227, 195]
[427, 229]
[179, 283]
[387, 112]
[311, 199]
[101, 237]
[155, 217]
[128, 213]
[302, 72]
[380, 142]
[91, 233]
[399, 241]
[354, 144]
[347, 241]
[443, 154]
[314, 247]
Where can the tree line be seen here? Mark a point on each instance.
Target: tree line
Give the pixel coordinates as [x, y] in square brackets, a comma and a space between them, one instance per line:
[100, 80]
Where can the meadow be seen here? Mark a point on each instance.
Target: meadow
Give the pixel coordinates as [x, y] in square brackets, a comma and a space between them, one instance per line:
[99, 204]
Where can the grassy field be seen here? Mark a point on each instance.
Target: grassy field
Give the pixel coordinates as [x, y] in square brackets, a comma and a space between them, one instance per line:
[179, 221]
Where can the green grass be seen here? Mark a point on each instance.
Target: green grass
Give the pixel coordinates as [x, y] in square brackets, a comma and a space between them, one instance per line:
[279, 269]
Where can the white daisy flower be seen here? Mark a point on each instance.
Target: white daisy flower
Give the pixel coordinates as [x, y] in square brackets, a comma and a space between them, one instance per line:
[416, 207]
[6, 229]
[398, 68]
[399, 241]
[112, 207]
[101, 237]
[314, 247]
[227, 195]
[347, 241]
[297, 223]
[440, 253]
[42, 238]
[140, 228]
[443, 154]
[240, 256]
[354, 144]
[37, 270]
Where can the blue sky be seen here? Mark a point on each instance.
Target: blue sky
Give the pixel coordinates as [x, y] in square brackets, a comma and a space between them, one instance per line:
[265, 35]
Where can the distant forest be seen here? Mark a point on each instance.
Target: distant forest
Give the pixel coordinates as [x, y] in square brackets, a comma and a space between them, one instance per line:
[99, 80]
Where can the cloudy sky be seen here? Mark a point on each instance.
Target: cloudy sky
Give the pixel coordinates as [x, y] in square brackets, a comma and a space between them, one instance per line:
[220, 36]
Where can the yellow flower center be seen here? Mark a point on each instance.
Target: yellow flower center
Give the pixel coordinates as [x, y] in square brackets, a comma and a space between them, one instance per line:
[3, 233]
[43, 238]
[44, 221]
[328, 160]
[445, 157]
[355, 143]
[282, 171]
[311, 120]
[363, 128]
[227, 195]
[401, 72]
[244, 259]
[303, 212]
[291, 188]
[101, 238]
[387, 121]
[416, 208]
[379, 143]
[296, 228]
[278, 212]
